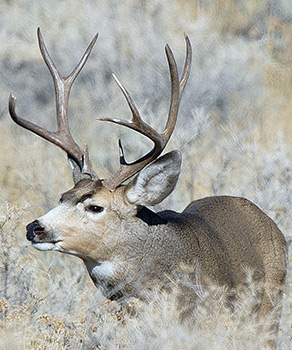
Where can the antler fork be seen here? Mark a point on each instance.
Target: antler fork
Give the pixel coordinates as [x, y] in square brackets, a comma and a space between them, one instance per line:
[78, 158]
[127, 170]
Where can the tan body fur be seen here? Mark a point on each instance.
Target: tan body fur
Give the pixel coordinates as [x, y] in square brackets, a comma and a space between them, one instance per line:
[225, 236]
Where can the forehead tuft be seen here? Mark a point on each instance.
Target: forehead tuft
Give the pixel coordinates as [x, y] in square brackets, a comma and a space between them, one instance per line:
[85, 188]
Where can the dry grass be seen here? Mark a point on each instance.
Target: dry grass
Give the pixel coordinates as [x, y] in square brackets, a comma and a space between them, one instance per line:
[234, 131]
[47, 302]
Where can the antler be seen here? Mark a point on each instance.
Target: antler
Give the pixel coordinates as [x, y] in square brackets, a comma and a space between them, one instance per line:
[127, 170]
[78, 158]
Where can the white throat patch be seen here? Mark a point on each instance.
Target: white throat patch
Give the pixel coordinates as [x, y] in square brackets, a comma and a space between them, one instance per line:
[101, 271]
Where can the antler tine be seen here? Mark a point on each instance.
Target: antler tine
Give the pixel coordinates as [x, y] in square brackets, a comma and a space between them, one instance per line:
[79, 159]
[188, 63]
[127, 170]
[136, 123]
[177, 86]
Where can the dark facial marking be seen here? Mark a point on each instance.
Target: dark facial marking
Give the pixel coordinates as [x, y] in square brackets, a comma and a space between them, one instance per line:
[84, 189]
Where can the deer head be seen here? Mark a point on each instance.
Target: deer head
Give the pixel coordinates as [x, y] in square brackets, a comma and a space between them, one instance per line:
[102, 220]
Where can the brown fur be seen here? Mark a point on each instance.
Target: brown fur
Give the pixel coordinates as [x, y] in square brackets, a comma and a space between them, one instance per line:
[127, 248]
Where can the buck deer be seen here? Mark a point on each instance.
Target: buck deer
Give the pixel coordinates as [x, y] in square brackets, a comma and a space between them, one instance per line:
[125, 245]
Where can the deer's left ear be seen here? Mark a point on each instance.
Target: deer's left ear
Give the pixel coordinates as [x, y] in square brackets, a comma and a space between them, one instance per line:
[156, 181]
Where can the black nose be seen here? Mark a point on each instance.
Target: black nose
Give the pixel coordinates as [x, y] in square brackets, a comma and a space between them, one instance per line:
[33, 229]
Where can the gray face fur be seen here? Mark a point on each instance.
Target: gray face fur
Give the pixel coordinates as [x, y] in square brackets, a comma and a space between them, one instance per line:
[104, 227]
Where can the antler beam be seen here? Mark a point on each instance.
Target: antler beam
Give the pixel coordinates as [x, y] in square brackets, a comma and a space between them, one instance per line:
[127, 170]
[79, 159]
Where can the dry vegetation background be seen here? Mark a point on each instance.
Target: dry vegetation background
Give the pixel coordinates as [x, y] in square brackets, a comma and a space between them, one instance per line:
[234, 130]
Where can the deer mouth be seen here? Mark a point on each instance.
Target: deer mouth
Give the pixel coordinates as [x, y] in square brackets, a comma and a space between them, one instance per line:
[46, 245]
[37, 235]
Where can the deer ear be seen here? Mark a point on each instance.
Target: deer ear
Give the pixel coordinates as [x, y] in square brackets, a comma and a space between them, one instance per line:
[156, 181]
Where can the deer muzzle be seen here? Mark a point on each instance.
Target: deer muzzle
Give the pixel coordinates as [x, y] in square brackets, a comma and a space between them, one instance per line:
[34, 229]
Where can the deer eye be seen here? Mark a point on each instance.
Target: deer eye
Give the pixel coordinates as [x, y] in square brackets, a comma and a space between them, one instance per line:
[94, 208]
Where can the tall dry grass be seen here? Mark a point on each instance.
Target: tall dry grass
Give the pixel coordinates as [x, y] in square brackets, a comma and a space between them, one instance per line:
[48, 302]
[234, 131]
